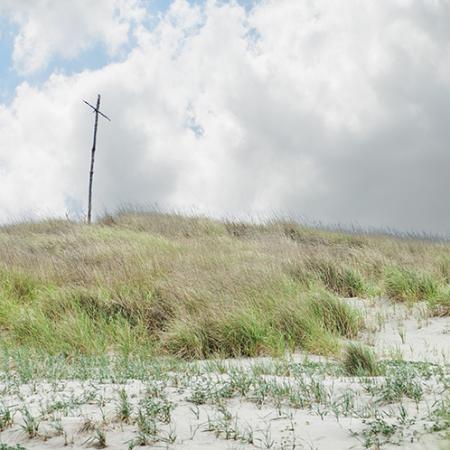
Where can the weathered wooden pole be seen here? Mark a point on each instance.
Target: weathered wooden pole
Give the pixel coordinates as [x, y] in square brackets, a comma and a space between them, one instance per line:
[91, 171]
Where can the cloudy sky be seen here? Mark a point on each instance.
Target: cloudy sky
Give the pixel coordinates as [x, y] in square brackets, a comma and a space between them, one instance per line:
[334, 110]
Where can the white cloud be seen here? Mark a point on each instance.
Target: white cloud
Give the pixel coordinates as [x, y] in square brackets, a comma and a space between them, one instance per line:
[48, 28]
[333, 110]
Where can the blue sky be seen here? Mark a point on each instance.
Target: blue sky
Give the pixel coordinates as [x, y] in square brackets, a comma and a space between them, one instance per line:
[8, 77]
[93, 58]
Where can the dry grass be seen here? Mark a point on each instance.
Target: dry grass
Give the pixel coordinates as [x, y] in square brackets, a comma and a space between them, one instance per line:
[196, 287]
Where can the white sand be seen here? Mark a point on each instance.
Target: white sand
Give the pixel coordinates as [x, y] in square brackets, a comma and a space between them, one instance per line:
[393, 330]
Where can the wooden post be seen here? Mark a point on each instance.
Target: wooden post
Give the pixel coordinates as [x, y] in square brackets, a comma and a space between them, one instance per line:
[91, 171]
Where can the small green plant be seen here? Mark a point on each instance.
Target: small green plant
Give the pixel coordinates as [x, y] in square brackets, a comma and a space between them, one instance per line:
[147, 426]
[58, 428]
[198, 395]
[10, 447]
[31, 423]
[171, 436]
[378, 432]
[124, 407]
[440, 416]
[6, 418]
[157, 408]
[402, 333]
[359, 360]
[266, 440]
[98, 440]
[148, 432]
[87, 425]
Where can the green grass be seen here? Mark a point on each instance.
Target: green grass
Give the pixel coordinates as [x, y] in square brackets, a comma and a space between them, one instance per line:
[340, 279]
[359, 360]
[10, 447]
[270, 325]
[161, 284]
[409, 285]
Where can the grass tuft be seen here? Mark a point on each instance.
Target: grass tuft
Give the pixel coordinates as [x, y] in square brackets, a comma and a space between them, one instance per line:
[336, 316]
[338, 278]
[406, 285]
[359, 360]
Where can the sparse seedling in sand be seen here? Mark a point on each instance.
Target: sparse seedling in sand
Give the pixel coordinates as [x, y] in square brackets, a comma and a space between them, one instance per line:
[98, 440]
[31, 423]
[124, 407]
[6, 418]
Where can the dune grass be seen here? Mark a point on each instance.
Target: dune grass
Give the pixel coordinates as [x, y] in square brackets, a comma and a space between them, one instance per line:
[409, 285]
[193, 287]
[359, 360]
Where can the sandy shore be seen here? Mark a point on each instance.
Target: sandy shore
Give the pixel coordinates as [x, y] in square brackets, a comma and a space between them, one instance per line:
[303, 402]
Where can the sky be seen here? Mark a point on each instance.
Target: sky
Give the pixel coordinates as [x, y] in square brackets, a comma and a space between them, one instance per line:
[335, 111]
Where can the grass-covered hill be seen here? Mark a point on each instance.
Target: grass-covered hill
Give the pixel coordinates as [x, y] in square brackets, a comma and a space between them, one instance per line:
[165, 284]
